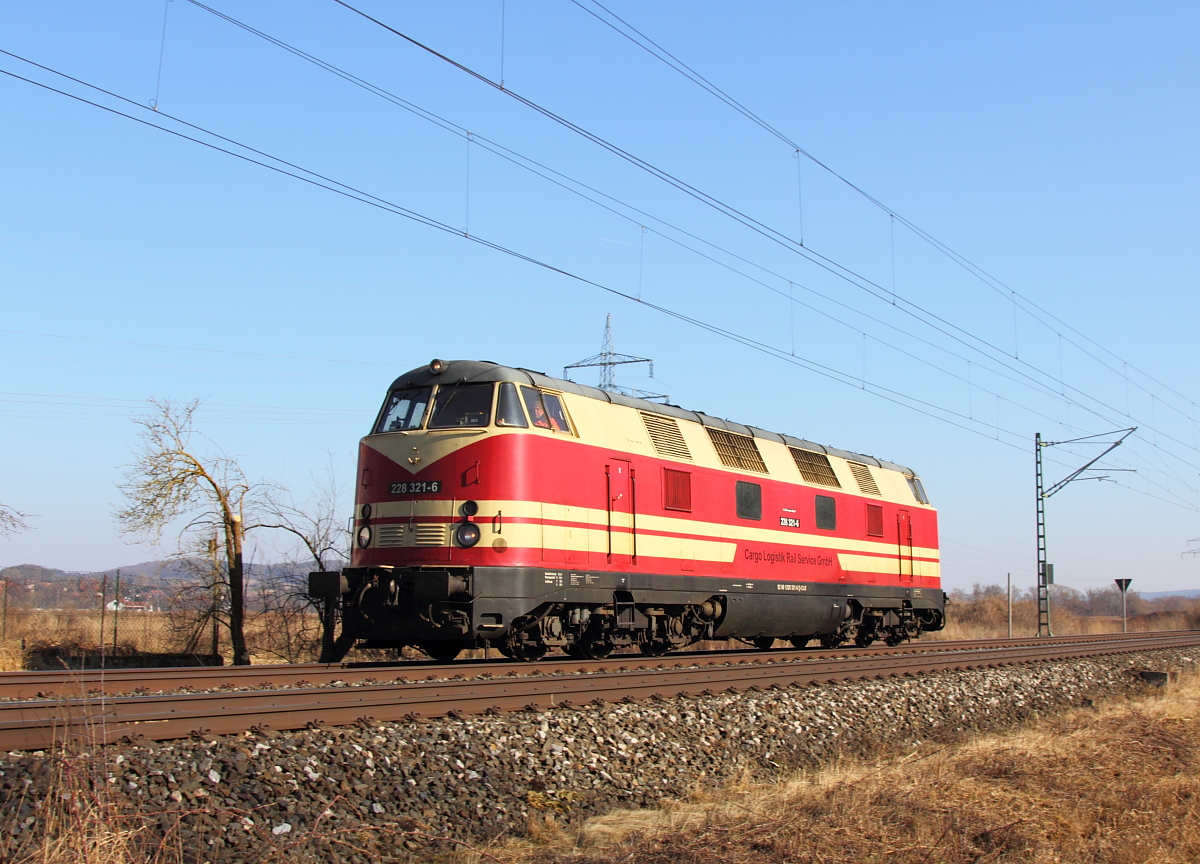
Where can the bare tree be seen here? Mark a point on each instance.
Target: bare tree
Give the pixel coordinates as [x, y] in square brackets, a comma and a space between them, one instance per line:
[319, 528]
[12, 521]
[198, 606]
[317, 523]
[170, 479]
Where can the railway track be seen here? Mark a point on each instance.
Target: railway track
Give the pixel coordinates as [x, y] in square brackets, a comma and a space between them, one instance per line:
[76, 683]
[95, 719]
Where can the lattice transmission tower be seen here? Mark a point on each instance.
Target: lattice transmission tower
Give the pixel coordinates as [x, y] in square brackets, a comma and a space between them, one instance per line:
[608, 360]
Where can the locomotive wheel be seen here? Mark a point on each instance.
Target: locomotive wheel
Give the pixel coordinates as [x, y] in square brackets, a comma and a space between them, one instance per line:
[596, 649]
[764, 643]
[528, 652]
[525, 651]
[654, 649]
[799, 641]
[442, 652]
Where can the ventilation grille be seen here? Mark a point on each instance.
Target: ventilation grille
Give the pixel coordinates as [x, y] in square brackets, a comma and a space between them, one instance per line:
[427, 534]
[737, 451]
[431, 534]
[390, 535]
[862, 474]
[815, 467]
[664, 432]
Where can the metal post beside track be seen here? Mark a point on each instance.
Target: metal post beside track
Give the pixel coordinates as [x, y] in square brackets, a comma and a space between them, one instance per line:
[1046, 571]
[1123, 584]
[116, 611]
[1043, 588]
[103, 601]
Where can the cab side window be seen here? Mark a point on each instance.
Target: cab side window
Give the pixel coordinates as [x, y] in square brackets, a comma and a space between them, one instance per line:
[545, 410]
[826, 512]
[554, 410]
[508, 411]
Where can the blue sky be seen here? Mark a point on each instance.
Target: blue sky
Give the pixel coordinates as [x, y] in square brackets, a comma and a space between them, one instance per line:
[1051, 145]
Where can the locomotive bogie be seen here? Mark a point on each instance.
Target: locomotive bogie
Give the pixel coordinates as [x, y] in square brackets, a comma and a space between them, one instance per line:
[501, 507]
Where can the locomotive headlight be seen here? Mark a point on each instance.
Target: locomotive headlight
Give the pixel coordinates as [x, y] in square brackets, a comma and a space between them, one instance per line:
[436, 366]
[467, 534]
[470, 508]
[364, 537]
[366, 511]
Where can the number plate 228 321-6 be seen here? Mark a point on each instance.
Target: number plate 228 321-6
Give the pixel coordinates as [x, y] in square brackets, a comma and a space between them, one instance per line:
[415, 487]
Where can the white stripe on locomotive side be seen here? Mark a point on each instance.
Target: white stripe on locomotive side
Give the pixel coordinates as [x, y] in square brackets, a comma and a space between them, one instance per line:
[592, 524]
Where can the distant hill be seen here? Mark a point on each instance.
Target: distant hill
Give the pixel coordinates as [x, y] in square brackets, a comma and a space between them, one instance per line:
[150, 582]
[147, 571]
[1158, 595]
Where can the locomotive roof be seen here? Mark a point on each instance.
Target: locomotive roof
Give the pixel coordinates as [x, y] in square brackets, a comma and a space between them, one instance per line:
[484, 371]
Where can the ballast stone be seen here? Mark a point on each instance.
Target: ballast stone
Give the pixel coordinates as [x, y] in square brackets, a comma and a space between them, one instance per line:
[482, 776]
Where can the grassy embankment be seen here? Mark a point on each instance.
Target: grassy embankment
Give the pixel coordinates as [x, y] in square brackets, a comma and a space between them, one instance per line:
[1119, 783]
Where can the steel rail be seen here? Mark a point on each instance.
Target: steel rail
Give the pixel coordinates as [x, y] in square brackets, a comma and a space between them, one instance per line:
[67, 683]
[38, 725]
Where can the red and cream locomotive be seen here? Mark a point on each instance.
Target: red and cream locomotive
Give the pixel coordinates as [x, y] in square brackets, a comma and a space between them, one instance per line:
[498, 506]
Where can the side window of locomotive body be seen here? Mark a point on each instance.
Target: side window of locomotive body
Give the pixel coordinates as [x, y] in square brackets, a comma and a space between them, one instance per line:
[508, 409]
[677, 490]
[874, 520]
[461, 405]
[749, 500]
[914, 483]
[826, 512]
[545, 410]
[404, 410]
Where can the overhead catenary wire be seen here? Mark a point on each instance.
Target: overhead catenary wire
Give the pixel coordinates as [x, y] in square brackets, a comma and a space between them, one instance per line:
[425, 114]
[467, 135]
[656, 50]
[529, 164]
[322, 181]
[162, 53]
[967, 338]
[538, 168]
[826, 263]
[666, 57]
[314, 178]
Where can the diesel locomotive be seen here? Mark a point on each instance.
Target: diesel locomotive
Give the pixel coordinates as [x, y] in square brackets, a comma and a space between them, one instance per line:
[500, 507]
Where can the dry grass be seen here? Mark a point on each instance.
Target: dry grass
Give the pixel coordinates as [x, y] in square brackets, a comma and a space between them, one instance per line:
[1119, 785]
[987, 618]
[149, 632]
[78, 821]
[141, 631]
